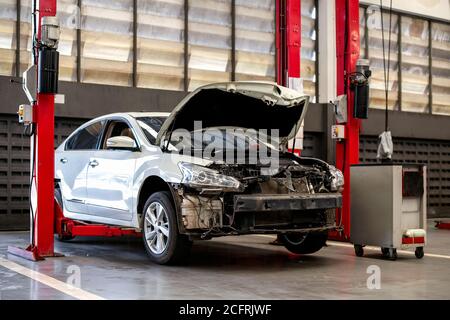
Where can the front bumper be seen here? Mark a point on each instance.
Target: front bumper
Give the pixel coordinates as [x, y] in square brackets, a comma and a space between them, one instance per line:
[286, 202]
[275, 213]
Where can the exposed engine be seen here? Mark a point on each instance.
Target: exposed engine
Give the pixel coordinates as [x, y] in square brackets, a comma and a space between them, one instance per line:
[290, 176]
[214, 209]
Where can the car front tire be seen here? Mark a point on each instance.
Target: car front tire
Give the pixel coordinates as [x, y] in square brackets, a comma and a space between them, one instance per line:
[304, 243]
[162, 241]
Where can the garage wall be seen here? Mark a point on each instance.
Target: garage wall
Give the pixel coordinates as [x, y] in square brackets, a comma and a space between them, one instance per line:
[15, 168]
[434, 154]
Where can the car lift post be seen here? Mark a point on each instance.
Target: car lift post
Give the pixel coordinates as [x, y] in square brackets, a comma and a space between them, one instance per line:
[288, 45]
[347, 54]
[42, 244]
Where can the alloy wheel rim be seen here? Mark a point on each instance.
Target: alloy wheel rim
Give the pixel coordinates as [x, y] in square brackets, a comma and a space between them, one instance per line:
[156, 228]
[296, 239]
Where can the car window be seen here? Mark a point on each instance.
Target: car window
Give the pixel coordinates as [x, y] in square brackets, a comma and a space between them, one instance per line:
[117, 128]
[87, 138]
[151, 126]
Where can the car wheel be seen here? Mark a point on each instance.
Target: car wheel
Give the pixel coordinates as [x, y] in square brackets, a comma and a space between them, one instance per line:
[359, 250]
[58, 197]
[163, 243]
[305, 243]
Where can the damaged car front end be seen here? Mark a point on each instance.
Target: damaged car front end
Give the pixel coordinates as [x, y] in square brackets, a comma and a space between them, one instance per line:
[295, 197]
[226, 199]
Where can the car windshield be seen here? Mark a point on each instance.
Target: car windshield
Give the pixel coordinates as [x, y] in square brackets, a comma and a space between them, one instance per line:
[151, 126]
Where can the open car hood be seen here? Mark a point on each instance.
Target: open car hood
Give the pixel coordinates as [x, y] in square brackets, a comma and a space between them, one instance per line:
[252, 105]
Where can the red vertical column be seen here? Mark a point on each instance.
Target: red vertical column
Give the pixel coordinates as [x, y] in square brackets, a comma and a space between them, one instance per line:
[44, 161]
[347, 54]
[279, 14]
[288, 43]
[288, 38]
[293, 29]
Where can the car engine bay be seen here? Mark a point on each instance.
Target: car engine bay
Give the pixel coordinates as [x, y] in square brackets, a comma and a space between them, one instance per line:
[284, 199]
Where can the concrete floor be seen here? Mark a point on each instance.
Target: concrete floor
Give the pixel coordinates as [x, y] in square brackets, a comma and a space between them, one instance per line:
[243, 267]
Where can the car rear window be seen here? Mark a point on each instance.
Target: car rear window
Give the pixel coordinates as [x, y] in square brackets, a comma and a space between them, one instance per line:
[87, 138]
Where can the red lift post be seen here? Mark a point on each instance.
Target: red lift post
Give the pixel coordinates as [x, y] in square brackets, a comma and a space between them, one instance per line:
[347, 54]
[288, 38]
[47, 217]
[43, 146]
[288, 45]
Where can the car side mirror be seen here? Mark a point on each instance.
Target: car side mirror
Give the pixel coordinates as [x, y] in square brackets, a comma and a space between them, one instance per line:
[121, 142]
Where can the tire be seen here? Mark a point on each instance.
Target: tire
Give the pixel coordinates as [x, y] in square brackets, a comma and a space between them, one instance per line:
[304, 243]
[162, 241]
[359, 250]
[419, 252]
[58, 197]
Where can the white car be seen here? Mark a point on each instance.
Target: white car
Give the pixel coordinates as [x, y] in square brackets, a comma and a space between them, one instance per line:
[165, 176]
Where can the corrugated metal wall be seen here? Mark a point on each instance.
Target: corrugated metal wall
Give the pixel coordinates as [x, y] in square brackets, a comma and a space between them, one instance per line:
[433, 153]
[15, 169]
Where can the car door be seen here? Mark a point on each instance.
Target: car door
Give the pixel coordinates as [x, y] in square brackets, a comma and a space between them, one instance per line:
[110, 176]
[71, 166]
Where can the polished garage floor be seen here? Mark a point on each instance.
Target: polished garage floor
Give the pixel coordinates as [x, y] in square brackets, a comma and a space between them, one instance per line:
[244, 267]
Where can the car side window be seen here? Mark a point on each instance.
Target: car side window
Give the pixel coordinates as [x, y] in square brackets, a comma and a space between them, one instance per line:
[117, 128]
[87, 138]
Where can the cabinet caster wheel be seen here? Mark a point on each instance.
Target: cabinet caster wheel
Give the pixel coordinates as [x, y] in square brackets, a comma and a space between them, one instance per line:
[359, 251]
[392, 255]
[419, 252]
[385, 252]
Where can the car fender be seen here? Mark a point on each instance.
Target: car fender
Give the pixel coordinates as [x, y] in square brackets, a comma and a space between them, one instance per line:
[161, 165]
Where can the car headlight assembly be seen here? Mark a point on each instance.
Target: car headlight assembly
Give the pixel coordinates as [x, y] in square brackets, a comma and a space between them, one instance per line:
[337, 179]
[202, 177]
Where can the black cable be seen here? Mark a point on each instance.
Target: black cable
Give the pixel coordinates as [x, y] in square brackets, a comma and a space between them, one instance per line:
[34, 49]
[389, 64]
[386, 71]
[346, 32]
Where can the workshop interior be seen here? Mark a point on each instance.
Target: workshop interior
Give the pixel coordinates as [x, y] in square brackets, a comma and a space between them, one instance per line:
[224, 150]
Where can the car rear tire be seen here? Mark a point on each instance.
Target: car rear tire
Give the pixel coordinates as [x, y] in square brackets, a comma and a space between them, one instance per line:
[162, 241]
[58, 197]
[304, 243]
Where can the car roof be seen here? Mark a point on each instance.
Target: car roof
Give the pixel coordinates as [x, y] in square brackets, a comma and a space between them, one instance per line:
[124, 115]
[144, 114]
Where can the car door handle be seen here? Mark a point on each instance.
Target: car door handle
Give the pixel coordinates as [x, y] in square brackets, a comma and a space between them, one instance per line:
[93, 163]
[63, 160]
